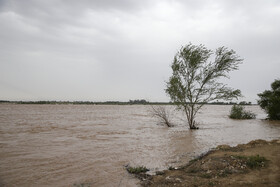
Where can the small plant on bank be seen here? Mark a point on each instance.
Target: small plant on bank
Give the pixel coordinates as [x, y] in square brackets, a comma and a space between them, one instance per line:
[256, 161]
[253, 162]
[206, 175]
[238, 112]
[137, 170]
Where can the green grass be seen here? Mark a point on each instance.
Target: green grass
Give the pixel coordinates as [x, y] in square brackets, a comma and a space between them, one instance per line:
[256, 161]
[252, 162]
[193, 170]
[206, 175]
[171, 168]
[137, 170]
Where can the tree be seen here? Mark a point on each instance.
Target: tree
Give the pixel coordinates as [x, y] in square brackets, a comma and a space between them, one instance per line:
[270, 101]
[195, 79]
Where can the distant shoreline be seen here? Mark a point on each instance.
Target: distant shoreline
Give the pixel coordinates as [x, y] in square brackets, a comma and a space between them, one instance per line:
[131, 102]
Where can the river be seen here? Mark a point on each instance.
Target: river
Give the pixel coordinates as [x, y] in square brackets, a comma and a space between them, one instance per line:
[89, 145]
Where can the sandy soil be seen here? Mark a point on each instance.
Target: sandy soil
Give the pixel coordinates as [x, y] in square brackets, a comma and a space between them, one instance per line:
[226, 166]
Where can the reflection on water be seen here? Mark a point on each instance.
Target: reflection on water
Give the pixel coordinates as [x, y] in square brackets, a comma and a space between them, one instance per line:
[63, 145]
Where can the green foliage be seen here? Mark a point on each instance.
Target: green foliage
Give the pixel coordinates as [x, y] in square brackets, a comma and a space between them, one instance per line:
[137, 170]
[270, 101]
[252, 162]
[193, 160]
[238, 112]
[210, 183]
[137, 101]
[162, 114]
[256, 161]
[171, 168]
[195, 79]
[206, 175]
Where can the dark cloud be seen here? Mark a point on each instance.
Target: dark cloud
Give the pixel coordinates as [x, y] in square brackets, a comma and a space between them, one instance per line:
[103, 50]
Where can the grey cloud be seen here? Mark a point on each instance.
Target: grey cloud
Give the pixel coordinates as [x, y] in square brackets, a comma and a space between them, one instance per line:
[102, 50]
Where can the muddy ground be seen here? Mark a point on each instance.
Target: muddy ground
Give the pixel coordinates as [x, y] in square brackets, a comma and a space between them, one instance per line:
[254, 164]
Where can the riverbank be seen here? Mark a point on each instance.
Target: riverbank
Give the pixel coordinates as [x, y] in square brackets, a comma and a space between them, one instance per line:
[254, 164]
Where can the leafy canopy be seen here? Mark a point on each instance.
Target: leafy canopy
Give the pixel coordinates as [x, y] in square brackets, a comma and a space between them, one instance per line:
[239, 112]
[195, 79]
[270, 100]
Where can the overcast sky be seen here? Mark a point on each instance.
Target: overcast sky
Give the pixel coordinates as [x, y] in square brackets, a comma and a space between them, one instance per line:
[100, 50]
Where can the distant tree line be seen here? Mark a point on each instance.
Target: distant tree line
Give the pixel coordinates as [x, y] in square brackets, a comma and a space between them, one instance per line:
[130, 102]
[142, 101]
[230, 103]
[67, 102]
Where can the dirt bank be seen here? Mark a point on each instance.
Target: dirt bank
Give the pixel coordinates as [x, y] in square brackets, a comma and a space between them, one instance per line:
[254, 164]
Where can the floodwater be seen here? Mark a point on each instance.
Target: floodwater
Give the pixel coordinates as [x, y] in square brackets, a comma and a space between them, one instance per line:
[89, 145]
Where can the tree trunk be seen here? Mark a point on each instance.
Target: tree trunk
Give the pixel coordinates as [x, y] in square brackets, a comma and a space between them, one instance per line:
[190, 117]
[192, 123]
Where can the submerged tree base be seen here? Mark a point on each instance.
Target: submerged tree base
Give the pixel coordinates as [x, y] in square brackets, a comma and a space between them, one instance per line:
[194, 128]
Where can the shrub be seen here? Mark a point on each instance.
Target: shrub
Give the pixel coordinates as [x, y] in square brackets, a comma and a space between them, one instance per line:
[238, 112]
[253, 161]
[137, 170]
[270, 101]
[256, 161]
[206, 175]
[162, 114]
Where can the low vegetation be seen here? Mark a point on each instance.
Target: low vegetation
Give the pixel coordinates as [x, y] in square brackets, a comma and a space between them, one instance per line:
[252, 162]
[136, 170]
[171, 168]
[238, 112]
[162, 114]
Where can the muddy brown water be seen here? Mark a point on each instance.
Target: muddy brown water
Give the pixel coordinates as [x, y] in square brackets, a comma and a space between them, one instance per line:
[89, 145]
